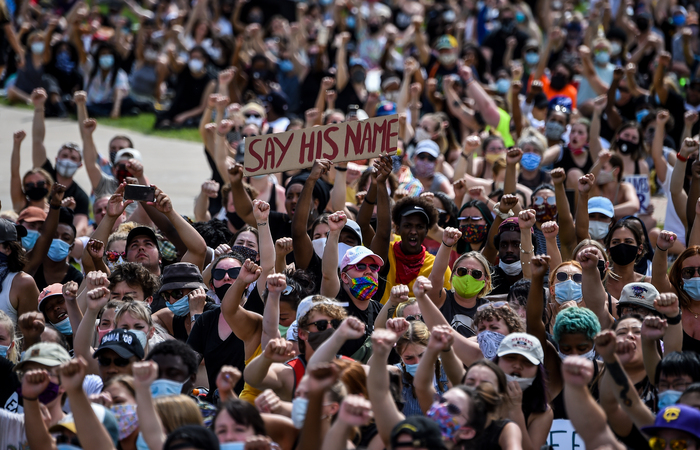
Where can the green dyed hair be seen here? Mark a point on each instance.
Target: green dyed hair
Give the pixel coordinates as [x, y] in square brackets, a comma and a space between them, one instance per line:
[576, 320]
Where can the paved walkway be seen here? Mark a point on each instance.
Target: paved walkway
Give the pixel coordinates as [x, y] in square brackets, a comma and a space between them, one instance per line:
[178, 167]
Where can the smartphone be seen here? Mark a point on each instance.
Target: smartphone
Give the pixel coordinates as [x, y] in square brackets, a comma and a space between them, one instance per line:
[139, 193]
[323, 36]
[352, 111]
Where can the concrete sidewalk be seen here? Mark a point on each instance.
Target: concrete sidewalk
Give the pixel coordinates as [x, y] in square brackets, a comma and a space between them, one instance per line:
[178, 167]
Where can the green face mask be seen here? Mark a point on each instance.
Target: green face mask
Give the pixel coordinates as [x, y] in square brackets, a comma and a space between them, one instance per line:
[283, 331]
[467, 286]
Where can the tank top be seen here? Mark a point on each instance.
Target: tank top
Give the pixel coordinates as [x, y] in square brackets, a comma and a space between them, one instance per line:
[689, 343]
[641, 186]
[492, 433]
[566, 161]
[5, 303]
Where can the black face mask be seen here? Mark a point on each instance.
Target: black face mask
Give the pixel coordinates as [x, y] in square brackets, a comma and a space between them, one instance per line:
[626, 147]
[373, 28]
[36, 193]
[319, 337]
[558, 81]
[358, 76]
[623, 254]
[601, 268]
[221, 290]
[507, 25]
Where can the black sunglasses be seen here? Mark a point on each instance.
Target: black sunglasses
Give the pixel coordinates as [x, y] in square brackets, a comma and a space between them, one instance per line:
[39, 184]
[563, 276]
[322, 325]
[219, 274]
[462, 271]
[414, 317]
[689, 272]
[177, 294]
[363, 266]
[106, 362]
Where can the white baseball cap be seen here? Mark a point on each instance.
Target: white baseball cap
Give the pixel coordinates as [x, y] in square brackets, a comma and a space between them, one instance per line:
[522, 344]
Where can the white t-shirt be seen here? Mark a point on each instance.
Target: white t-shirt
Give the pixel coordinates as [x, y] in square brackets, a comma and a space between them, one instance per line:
[672, 221]
[12, 434]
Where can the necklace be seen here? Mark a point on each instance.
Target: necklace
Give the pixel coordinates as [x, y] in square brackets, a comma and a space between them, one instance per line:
[693, 312]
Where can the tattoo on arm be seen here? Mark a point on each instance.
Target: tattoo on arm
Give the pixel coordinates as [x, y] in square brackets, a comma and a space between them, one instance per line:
[620, 378]
[390, 312]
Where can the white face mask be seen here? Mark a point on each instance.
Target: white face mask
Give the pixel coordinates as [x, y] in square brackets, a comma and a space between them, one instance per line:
[598, 230]
[196, 65]
[392, 96]
[539, 124]
[319, 246]
[421, 135]
[258, 121]
[66, 167]
[523, 382]
[511, 269]
[299, 407]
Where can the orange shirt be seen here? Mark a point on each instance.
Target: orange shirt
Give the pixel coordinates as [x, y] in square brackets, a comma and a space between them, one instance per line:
[569, 90]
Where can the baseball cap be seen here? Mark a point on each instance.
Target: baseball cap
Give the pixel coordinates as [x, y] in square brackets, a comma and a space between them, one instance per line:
[414, 209]
[254, 107]
[523, 344]
[47, 353]
[128, 153]
[353, 226]
[642, 294]
[386, 108]
[182, 275]
[10, 232]
[425, 433]
[52, 290]
[601, 205]
[32, 214]
[427, 146]
[310, 301]
[141, 231]
[510, 224]
[357, 62]
[446, 41]
[676, 417]
[356, 254]
[105, 416]
[123, 342]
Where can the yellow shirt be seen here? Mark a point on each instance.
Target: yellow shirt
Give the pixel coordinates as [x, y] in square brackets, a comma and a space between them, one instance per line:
[249, 393]
[424, 271]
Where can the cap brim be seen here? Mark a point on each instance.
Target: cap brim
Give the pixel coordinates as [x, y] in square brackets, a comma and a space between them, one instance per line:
[415, 211]
[181, 285]
[118, 349]
[70, 426]
[42, 304]
[600, 211]
[376, 259]
[49, 362]
[529, 357]
[655, 429]
[351, 229]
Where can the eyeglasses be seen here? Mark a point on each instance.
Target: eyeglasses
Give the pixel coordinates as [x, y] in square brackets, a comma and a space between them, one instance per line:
[551, 201]
[38, 184]
[462, 271]
[219, 274]
[657, 443]
[453, 410]
[177, 294]
[114, 256]
[563, 276]
[472, 218]
[689, 272]
[363, 266]
[106, 362]
[414, 317]
[492, 305]
[679, 385]
[322, 325]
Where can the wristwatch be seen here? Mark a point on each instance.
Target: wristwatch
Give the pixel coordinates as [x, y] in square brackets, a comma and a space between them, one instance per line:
[195, 317]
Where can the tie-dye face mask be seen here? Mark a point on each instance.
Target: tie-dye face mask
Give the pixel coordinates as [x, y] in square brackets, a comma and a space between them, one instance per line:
[363, 288]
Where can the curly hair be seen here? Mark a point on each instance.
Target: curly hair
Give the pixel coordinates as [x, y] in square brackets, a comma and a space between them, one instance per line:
[332, 311]
[421, 202]
[214, 232]
[505, 312]
[135, 275]
[302, 284]
[576, 320]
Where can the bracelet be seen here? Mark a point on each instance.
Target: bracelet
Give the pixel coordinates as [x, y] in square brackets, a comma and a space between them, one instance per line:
[661, 249]
[674, 320]
[523, 251]
[469, 81]
[443, 243]
[681, 158]
[341, 169]
[464, 156]
[371, 203]
[220, 134]
[502, 215]
[262, 224]
[55, 206]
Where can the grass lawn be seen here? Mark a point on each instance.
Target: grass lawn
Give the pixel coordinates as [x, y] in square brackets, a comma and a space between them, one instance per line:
[143, 123]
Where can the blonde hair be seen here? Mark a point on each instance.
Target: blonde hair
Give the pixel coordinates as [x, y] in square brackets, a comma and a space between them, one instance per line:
[404, 305]
[116, 236]
[177, 410]
[12, 353]
[487, 271]
[126, 227]
[138, 310]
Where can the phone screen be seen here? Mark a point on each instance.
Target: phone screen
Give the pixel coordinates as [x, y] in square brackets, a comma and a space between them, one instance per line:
[139, 193]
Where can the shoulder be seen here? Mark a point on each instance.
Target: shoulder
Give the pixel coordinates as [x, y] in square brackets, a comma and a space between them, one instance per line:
[643, 166]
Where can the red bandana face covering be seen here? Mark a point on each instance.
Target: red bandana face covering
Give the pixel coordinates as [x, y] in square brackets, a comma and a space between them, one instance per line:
[407, 266]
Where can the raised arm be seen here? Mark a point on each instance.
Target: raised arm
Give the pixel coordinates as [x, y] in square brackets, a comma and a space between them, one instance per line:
[526, 220]
[399, 294]
[351, 328]
[599, 105]
[585, 183]
[90, 156]
[241, 200]
[303, 249]
[450, 237]
[330, 283]
[321, 377]
[385, 413]
[38, 127]
[342, 75]
[145, 373]
[41, 248]
[261, 211]
[544, 58]
[97, 296]
[440, 343]
[592, 288]
[667, 304]
[382, 238]
[678, 194]
[266, 371]
[355, 411]
[246, 325]
[276, 284]
[420, 42]
[657, 144]
[19, 200]
[483, 101]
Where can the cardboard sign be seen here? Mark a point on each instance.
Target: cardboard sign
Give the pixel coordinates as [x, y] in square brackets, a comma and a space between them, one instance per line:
[562, 436]
[348, 141]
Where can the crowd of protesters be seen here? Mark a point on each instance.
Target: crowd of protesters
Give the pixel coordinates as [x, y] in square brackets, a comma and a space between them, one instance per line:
[500, 279]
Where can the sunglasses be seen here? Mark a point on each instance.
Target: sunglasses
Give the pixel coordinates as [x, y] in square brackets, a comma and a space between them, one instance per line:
[689, 272]
[363, 266]
[248, 115]
[106, 362]
[322, 325]
[114, 256]
[414, 317]
[462, 271]
[38, 184]
[219, 274]
[177, 294]
[563, 276]
[551, 201]
[453, 410]
[492, 305]
[657, 443]
[472, 218]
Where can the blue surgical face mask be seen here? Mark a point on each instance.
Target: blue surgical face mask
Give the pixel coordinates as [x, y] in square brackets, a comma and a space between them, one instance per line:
[568, 290]
[502, 85]
[29, 241]
[141, 336]
[106, 61]
[59, 250]
[162, 387]
[232, 445]
[531, 161]
[3, 350]
[64, 327]
[602, 58]
[299, 407]
[532, 58]
[642, 113]
[668, 398]
[411, 369]
[141, 443]
[285, 65]
[678, 20]
[181, 307]
[692, 287]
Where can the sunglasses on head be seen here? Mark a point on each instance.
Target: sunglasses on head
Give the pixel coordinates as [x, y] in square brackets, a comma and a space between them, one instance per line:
[38, 184]
[657, 443]
[453, 410]
[106, 362]
[322, 325]
[219, 274]
[551, 201]
[563, 276]
[363, 266]
[177, 294]
[492, 305]
[462, 271]
[689, 272]
[114, 256]
[414, 317]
